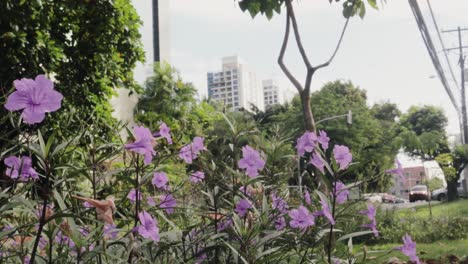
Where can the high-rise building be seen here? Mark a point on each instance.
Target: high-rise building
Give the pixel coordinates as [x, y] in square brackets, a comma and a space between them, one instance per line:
[235, 86]
[270, 93]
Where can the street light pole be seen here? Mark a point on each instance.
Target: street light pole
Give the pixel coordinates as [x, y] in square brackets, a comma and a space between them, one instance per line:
[349, 118]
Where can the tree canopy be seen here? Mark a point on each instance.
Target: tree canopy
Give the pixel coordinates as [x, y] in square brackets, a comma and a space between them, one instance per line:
[87, 47]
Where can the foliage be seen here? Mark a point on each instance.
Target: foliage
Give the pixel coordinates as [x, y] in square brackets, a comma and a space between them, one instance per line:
[269, 7]
[88, 47]
[424, 229]
[205, 223]
[372, 136]
[423, 132]
[452, 165]
[167, 98]
[434, 184]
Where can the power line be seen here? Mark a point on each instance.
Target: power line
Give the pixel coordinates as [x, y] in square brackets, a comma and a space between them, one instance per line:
[432, 52]
[442, 43]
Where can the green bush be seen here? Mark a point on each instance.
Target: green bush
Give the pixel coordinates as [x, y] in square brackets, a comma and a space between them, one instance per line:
[393, 226]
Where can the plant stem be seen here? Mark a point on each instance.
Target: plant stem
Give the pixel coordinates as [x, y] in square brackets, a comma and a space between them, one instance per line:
[330, 237]
[39, 231]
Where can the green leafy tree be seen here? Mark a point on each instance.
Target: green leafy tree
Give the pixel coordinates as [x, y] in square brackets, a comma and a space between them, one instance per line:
[169, 99]
[423, 132]
[372, 136]
[87, 47]
[434, 184]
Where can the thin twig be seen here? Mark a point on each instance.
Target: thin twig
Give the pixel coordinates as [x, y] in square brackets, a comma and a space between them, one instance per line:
[336, 49]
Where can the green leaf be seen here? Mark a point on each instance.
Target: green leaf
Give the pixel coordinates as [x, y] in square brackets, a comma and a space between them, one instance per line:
[355, 234]
[373, 4]
[362, 11]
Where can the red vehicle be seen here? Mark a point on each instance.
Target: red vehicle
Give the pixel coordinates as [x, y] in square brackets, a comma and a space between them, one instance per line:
[419, 193]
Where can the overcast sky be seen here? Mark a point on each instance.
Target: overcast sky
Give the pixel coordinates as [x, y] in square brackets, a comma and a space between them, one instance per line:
[383, 53]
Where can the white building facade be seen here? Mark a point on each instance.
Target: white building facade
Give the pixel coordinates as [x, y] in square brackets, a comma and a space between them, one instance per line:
[235, 86]
[270, 93]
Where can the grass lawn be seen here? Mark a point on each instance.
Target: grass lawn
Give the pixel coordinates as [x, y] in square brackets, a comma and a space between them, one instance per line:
[436, 250]
[457, 208]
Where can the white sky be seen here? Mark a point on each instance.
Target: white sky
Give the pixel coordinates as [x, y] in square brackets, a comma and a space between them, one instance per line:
[383, 53]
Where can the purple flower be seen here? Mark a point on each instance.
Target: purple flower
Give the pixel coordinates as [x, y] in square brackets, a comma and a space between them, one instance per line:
[63, 239]
[251, 161]
[132, 195]
[87, 205]
[326, 211]
[279, 204]
[317, 162]
[323, 139]
[201, 258]
[151, 201]
[340, 192]
[397, 171]
[27, 259]
[197, 176]
[167, 202]
[342, 156]
[43, 242]
[197, 144]
[20, 168]
[160, 180]
[242, 207]
[186, 154]
[301, 218]
[190, 152]
[36, 97]
[143, 144]
[280, 223]
[409, 249]
[149, 226]
[164, 131]
[371, 213]
[306, 143]
[110, 231]
[307, 197]
[224, 224]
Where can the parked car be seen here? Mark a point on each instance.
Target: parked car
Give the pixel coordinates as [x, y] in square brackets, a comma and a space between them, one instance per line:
[401, 200]
[372, 197]
[418, 193]
[388, 198]
[441, 194]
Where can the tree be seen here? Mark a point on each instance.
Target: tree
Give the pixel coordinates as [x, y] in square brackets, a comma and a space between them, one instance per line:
[169, 99]
[434, 184]
[350, 9]
[87, 47]
[423, 132]
[452, 165]
[373, 136]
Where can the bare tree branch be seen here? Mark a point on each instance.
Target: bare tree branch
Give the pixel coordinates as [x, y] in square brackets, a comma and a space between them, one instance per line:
[297, 35]
[336, 49]
[283, 67]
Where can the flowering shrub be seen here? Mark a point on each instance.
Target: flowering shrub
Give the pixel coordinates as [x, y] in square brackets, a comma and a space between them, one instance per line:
[170, 201]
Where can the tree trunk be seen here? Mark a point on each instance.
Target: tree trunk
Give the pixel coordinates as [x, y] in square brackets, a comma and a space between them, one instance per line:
[307, 111]
[452, 192]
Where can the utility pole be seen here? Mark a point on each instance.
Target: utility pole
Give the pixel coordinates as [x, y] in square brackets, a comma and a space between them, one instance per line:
[461, 61]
